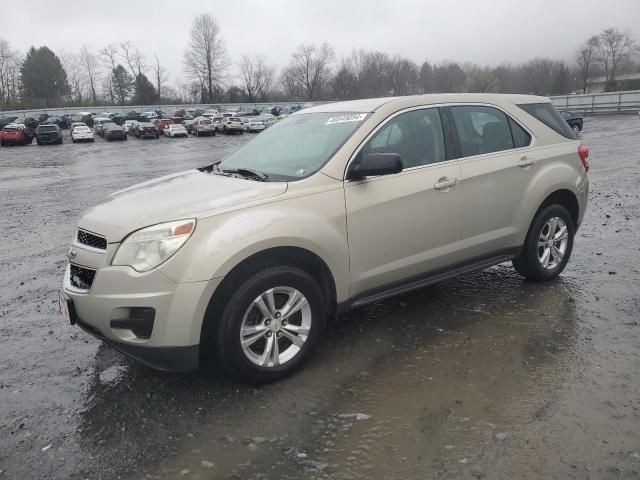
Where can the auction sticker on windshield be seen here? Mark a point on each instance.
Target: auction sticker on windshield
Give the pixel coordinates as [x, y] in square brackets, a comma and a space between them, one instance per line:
[352, 117]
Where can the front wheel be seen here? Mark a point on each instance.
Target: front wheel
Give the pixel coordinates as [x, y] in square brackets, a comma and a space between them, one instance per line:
[548, 244]
[270, 324]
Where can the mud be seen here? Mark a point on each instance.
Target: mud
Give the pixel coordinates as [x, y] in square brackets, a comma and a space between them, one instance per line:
[484, 376]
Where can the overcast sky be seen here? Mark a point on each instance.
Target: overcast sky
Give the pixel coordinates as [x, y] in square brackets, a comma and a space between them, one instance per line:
[481, 31]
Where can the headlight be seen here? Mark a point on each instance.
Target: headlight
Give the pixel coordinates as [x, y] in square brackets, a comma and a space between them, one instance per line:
[149, 247]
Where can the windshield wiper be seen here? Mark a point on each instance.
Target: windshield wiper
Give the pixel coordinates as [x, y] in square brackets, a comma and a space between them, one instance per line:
[247, 172]
[211, 168]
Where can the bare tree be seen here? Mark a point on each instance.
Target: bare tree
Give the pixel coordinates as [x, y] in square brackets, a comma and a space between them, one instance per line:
[256, 77]
[480, 79]
[89, 63]
[403, 76]
[310, 68]
[160, 76]
[9, 74]
[71, 62]
[206, 56]
[614, 49]
[133, 57]
[585, 59]
[109, 56]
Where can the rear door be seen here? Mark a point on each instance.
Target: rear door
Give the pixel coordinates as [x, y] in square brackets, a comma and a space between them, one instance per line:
[405, 224]
[497, 164]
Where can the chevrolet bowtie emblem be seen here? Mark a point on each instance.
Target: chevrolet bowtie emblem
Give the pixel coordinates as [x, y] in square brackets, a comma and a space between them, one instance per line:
[71, 254]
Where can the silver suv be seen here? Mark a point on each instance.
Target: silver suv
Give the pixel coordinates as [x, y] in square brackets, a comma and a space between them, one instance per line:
[335, 207]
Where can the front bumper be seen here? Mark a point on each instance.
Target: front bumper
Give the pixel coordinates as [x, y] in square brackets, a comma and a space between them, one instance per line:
[116, 292]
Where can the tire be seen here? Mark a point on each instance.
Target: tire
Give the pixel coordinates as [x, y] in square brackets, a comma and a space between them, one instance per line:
[73, 140]
[531, 262]
[224, 130]
[38, 142]
[60, 141]
[241, 308]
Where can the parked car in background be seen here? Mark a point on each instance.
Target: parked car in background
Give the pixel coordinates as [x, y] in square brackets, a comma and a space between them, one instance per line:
[63, 121]
[253, 125]
[113, 131]
[48, 134]
[119, 119]
[188, 124]
[6, 121]
[150, 115]
[232, 125]
[145, 130]
[328, 215]
[175, 130]
[15, 134]
[99, 123]
[217, 122]
[203, 126]
[82, 133]
[128, 125]
[574, 120]
[84, 117]
[29, 122]
[132, 115]
[161, 124]
[76, 124]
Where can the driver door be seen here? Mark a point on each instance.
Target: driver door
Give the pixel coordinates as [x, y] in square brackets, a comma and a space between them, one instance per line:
[410, 223]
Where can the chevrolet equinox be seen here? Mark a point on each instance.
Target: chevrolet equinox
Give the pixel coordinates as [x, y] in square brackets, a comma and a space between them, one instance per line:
[335, 207]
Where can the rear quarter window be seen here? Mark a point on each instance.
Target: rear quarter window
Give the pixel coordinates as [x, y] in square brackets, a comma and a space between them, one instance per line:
[547, 114]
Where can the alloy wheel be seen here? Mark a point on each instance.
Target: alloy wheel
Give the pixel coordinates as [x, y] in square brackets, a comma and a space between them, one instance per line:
[552, 243]
[275, 327]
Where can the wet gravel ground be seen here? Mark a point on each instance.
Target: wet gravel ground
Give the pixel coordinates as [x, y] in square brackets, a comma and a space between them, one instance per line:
[484, 376]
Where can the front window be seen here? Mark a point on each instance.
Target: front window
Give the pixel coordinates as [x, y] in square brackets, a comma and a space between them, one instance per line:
[298, 146]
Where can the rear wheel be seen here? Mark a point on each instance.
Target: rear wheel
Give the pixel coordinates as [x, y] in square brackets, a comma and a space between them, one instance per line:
[548, 244]
[270, 324]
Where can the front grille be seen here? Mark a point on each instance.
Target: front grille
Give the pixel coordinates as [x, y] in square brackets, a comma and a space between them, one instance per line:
[81, 277]
[92, 240]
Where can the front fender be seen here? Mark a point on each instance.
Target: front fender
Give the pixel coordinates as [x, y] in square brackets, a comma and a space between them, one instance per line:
[314, 222]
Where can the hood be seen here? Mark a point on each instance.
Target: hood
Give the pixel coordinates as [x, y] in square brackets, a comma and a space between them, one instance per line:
[190, 194]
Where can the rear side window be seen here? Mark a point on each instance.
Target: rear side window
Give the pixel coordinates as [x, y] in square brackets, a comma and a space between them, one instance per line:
[521, 137]
[547, 114]
[481, 130]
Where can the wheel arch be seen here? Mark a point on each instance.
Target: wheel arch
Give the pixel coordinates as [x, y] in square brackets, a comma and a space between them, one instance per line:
[567, 199]
[293, 256]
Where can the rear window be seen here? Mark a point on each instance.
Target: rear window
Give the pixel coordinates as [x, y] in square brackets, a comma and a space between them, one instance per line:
[547, 114]
[234, 119]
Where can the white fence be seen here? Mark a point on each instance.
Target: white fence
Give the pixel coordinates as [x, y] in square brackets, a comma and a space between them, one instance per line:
[594, 103]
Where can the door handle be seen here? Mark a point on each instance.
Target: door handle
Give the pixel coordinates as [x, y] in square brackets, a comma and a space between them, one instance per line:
[445, 183]
[526, 162]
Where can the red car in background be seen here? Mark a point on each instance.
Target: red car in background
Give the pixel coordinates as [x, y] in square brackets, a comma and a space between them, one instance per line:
[161, 124]
[15, 134]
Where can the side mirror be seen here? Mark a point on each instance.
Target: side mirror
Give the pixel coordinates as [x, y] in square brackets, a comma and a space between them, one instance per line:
[375, 164]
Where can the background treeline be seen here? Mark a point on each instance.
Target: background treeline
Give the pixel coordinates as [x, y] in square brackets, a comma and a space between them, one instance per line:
[120, 74]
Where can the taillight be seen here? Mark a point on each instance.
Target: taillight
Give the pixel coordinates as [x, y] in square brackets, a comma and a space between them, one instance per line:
[583, 153]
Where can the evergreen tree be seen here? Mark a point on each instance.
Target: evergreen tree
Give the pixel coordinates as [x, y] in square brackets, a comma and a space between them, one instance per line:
[122, 83]
[144, 93]
[43, 78]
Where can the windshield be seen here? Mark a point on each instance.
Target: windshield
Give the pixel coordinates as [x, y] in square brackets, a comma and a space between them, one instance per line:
[46, 128]
[297, 146]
